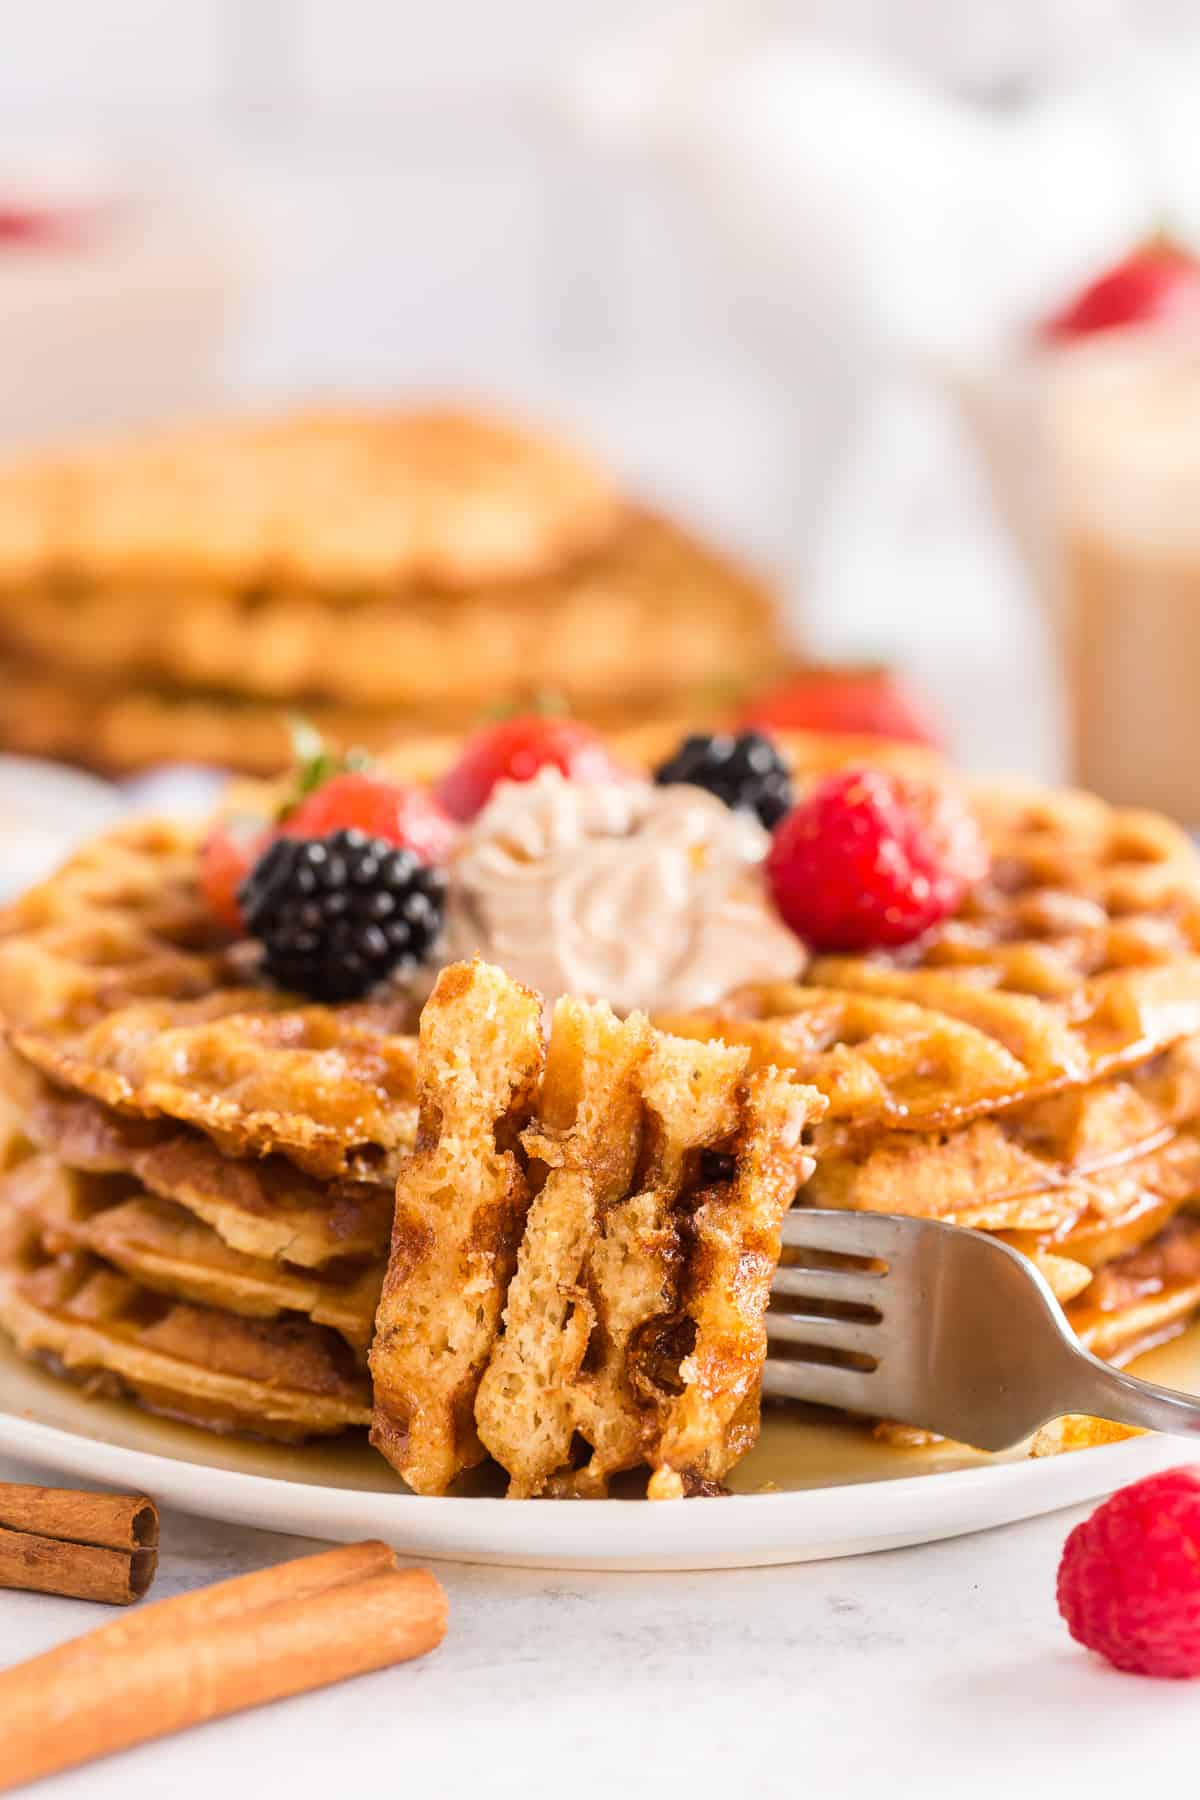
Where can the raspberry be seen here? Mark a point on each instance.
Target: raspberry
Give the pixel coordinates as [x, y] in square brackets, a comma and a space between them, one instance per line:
[407, 816]
[871, 860]
[514, 750]
[1129, 1579]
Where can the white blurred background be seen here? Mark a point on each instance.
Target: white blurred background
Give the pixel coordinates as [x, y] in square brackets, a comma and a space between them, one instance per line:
[743, 248]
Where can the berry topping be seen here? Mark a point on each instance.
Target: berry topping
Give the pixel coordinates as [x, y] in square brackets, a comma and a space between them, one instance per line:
[867, 702]
[1157, 284]
[227, 855]
[338, 914]
[514, 750]
[871, 860]
[355, 801]
[746, 772]
[1129, 1579]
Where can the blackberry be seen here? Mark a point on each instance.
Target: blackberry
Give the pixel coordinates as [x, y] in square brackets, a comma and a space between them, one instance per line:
[337, 914]
[746, 772]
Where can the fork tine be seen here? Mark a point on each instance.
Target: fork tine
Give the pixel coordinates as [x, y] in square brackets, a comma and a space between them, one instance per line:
[820, 1328]
[843, 1233]
[823, 1384]
[795, 1281]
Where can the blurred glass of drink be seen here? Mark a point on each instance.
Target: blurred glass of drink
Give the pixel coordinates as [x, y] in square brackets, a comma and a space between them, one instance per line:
[1123, 425]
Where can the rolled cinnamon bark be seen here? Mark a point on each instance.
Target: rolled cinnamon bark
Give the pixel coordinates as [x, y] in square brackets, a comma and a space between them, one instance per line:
[114, 1521]
[182, 1662]
[46, 1565]
[86, 1546]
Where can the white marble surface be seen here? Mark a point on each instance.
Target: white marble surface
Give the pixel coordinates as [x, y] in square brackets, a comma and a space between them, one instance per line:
[942, 1671]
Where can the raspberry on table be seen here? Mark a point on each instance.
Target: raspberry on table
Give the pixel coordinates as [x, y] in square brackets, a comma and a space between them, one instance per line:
[336, 915]
[1129, 1579]
[871, 860]
[746, 772]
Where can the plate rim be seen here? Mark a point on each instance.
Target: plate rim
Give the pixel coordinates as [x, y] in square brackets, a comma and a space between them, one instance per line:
[624, 1534]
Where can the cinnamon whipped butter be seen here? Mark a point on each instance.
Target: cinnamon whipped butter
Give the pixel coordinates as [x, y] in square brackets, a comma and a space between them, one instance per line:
[644, 896]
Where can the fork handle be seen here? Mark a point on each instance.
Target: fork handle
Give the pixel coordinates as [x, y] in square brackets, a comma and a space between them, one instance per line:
[1096, 1387]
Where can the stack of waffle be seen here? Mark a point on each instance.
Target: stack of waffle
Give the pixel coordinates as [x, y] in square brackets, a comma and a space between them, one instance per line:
[1031, 1069]
[198, 1175]
[174, 598]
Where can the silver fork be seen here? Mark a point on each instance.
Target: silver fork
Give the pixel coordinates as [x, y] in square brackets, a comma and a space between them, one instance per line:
[940, 1327]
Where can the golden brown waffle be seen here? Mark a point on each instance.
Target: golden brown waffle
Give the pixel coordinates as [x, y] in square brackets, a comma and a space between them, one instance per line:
[166, 1249]
[120, 728]
[285, 1379]
[102, 993]
[263, 1207]
[1038, 1167]
[460, 1209]
[655, 615]
[173, 598]
[1078, 956]
[350, 502]
[1144, 1297]
[623, 1306]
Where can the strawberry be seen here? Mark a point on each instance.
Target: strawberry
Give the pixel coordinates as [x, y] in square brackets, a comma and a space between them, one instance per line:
[228, 853]
[514, 750]
[356, 801]
[1157, 283]
[329, 793]
[868, 702]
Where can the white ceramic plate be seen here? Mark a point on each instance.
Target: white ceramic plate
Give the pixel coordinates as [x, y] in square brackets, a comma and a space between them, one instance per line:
[45, 810]
[830, 1490]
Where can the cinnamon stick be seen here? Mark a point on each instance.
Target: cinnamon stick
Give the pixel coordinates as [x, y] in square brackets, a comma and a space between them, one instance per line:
[83, 1545]
[204, 1655]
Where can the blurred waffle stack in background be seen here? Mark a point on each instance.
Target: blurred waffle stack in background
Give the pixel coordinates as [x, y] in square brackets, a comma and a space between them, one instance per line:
[175, 597]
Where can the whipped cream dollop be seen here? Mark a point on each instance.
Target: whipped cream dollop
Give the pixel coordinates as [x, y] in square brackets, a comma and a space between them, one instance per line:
[643, 896]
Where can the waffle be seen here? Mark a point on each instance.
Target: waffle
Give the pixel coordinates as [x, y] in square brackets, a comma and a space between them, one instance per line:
[656, 613]
[176, 596]
[1143, 1297]
[656, 1171]
[460, 1209]
[574, 1232]
[285, 1378]
[264, 1207]
[348, 502]
[165, 1248]
[185, 1196]
[103, 993]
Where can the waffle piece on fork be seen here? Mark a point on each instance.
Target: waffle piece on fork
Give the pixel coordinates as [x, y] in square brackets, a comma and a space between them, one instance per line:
[460, 1207]
[633, 1322]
